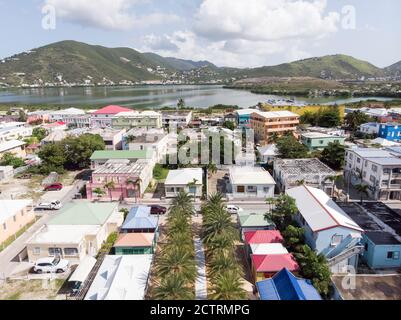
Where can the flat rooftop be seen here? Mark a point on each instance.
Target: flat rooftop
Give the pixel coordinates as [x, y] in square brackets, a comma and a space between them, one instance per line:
[317, 135]
[122, 167]
[371, 287]
[377, 232]
[303, 166]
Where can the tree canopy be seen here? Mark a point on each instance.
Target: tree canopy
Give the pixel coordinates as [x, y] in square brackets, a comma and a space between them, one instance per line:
[333, 156]
[289, 148]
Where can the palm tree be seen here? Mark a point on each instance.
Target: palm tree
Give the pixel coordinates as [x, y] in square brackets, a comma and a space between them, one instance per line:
[334, 180]
[300, 182]
[99, 192]
[211, 168]
[129, 139]
[173, 287]
[183, 202]
[221, 262]
[178, 261]
[270, 202]
[362, 190]
[135, 183]
[110, 186]
[228, 286]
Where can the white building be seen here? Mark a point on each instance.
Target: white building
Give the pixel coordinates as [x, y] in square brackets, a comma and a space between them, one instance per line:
[179, 119]
[16, 132]
[268, 153]
[113, 138]
[328, 229]
[15, 147]
[121, 278]
[135, 119]
[65, 115]
[6, 173]
[379, 169]
[250, 182]
[370, 128]
[189, 180]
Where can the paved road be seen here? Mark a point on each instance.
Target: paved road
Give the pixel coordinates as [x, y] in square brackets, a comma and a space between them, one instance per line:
[6, 265]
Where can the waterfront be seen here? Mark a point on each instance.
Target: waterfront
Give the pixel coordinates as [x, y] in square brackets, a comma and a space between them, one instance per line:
[153, 96]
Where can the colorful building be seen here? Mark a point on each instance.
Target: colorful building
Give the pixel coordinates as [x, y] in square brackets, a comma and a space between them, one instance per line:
[266, 124]
[119, 180]
[135, 119]
[139, 220]
[266, 266]
[285, 286]
[244, 118]
[135, 243]
[319, 141]
[390, 131]
[103, 118]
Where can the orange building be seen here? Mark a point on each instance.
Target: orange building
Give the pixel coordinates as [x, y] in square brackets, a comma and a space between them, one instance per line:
[265, 124]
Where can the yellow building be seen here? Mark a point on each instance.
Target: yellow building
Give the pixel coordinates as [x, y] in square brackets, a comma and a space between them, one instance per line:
[265, 124]
[14, 215]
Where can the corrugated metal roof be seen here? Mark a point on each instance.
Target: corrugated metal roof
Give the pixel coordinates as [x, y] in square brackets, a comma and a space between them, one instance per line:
[285, 286]
[263, 236]
[122, 154]
[140, 218]
[319, 210]
[274, 262]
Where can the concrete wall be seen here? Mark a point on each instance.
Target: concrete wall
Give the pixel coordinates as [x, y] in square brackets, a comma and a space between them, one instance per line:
[376, 255]
[13, 224]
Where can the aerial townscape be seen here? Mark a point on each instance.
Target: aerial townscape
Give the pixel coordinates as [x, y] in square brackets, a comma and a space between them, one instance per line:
[128, 174]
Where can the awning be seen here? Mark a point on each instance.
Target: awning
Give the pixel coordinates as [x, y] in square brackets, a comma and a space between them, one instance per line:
[82, 271]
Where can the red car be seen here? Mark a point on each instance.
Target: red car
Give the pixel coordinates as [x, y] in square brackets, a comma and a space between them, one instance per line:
[54, 187]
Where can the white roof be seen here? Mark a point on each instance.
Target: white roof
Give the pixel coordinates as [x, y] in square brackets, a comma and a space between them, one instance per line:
[69, 111]
[319, 210]
[63, 234]
[268, 248]
[136, 114]
[121, 278]
[277, 114]
[384, 142]
[9, 208]
[268, 150]
[9, 145]
[82, 271]
[250, 175]
[246, 111]
[371, 153]
[317, 135]
[184, 176]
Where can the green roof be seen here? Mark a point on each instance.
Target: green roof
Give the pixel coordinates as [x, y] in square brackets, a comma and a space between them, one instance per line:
[254, 220]
[84, 213]
[122, 154]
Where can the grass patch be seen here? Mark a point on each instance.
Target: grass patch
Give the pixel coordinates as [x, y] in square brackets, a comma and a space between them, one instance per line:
[15, 296]
[160, 173]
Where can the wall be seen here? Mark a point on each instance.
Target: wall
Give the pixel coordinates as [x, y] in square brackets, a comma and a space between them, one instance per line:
[22, 217]
[376, 255]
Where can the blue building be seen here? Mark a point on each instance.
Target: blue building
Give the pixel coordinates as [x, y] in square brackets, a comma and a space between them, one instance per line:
[139, 220]
[285, 286]
[244, 118]
[390, 131]
[382, 236]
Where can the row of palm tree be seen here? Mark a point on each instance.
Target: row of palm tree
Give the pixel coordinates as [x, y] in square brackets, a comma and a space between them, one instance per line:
[219, 236]
[175, 266]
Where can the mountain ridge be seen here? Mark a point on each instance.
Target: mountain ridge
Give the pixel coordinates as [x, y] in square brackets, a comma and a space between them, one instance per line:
[71, 61]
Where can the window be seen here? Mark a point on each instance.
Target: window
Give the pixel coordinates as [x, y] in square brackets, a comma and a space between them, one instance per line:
[374, 168]
[4, 226]
[358, 160]
[321, 141]
[266, 189]
[15, 218]
[394, 255]
[366, 247]
[55, 252]
[336, 239]
[240, 189]
[372, 179]
[36, 251]
[70, 251]
[386, 171]
[251, 188]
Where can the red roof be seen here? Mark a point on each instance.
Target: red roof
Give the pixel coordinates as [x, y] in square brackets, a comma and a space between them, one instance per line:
[112, 110]
[263, 236]
[274, 262]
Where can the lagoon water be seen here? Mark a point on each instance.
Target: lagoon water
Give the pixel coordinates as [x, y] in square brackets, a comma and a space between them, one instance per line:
[151, 96]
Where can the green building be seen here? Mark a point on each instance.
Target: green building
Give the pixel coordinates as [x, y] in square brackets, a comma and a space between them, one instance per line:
[135, 243]
[319, 141]
[134, 119]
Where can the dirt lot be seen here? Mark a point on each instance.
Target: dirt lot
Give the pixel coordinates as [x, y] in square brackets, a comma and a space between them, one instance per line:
[32, 290]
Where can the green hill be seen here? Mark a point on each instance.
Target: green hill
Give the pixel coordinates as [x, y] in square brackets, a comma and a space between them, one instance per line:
[394, 69]
[327, 67]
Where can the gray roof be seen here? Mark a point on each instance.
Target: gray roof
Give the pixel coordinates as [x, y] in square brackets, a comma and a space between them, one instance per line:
[386, 161]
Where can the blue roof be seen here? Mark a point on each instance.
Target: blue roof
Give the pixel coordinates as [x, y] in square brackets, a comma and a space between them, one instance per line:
[285, 286]
[140, 218]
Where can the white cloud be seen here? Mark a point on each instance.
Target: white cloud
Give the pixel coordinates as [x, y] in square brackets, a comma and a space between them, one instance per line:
[107, 14]
[264, 20]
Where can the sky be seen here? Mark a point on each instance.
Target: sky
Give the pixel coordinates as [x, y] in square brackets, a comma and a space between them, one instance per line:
[232, 33]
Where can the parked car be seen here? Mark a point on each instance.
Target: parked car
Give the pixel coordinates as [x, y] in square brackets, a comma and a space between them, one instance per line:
[158, 209]
[54, 187]
[233, 209]
[50, 265]
[54, 205]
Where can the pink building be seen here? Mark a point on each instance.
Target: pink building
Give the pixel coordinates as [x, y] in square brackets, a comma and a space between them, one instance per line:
[36, 116]
[120, 179]
[103, 118]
